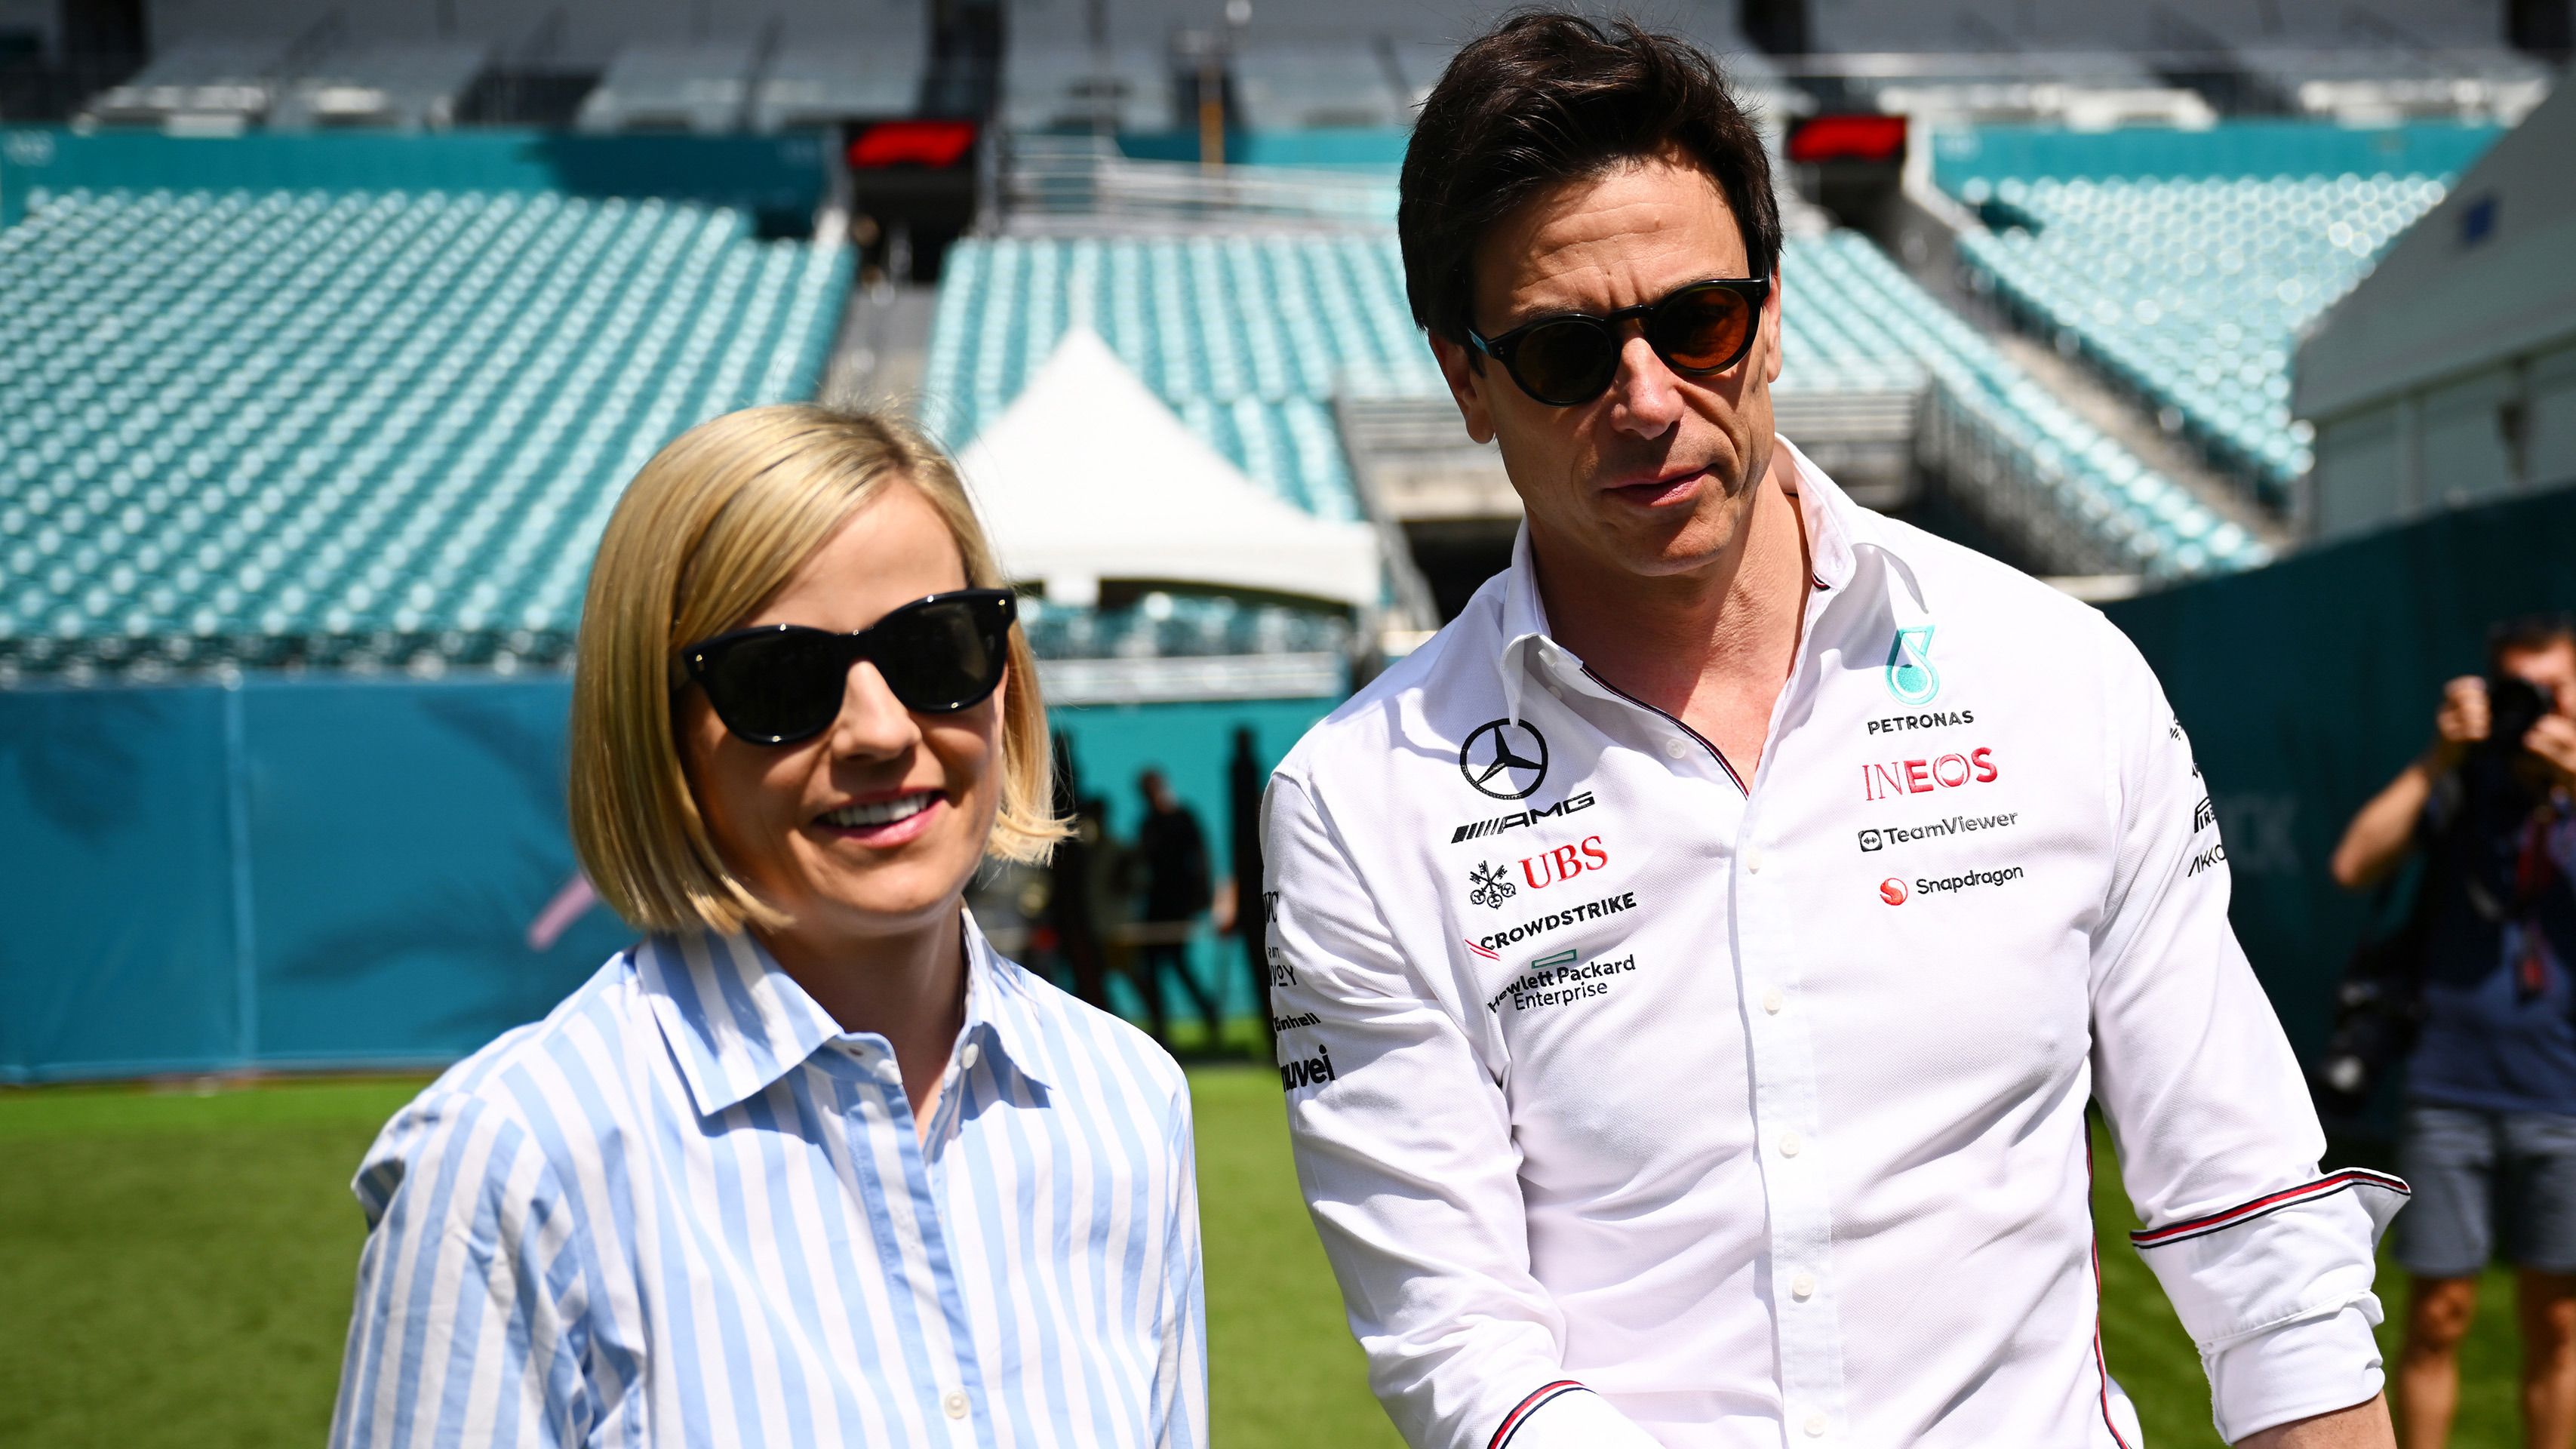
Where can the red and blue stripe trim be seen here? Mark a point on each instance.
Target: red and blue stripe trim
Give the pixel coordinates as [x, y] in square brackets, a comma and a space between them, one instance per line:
[2247, 1212]
[1544, 1394]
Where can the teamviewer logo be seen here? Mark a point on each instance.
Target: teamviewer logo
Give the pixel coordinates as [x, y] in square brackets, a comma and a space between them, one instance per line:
[1870, 840]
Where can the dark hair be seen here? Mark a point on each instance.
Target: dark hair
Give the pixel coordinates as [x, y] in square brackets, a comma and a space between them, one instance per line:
[1547, 97]
[2528, 634]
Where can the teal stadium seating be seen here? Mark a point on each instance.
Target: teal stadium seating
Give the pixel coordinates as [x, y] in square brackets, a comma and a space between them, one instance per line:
[1249, 339]
[357, 428]
[1167, 625]
[2184, 264]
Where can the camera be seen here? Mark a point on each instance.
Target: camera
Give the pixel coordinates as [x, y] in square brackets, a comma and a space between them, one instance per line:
[2514, 705]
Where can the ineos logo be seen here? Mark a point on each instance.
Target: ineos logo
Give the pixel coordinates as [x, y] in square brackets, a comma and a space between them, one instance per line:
[1504, 758]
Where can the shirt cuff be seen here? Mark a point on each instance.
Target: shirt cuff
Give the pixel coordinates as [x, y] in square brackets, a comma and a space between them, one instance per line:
[1566, 1415]
[2312, 1366]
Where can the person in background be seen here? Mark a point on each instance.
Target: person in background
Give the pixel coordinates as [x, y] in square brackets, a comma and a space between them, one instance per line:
[811, 1163]
[2488, 1136]
[1172, 854]
[1249, 917]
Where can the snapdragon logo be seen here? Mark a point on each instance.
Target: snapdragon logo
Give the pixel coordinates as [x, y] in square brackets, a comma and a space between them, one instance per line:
[1966, 880]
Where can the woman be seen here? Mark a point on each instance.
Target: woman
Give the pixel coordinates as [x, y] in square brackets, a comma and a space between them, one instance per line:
[811, 1164]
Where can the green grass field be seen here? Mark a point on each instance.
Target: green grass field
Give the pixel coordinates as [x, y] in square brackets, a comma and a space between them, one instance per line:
[175, 1269]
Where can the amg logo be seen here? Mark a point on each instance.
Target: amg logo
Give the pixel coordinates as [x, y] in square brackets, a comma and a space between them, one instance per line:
[1898, 722]
[1479, 829]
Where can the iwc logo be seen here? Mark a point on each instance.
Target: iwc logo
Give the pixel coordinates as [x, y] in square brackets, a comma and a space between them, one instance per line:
[1504, 758]
[1910, 675]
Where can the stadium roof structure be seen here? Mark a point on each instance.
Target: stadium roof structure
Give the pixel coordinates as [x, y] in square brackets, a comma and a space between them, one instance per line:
[1088, 476]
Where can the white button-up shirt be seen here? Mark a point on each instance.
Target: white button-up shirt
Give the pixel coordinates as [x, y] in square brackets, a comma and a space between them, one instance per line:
[1643, 1098]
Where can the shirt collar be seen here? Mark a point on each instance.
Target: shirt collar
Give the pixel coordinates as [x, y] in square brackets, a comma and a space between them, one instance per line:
[736, 1022]
[1834, 525]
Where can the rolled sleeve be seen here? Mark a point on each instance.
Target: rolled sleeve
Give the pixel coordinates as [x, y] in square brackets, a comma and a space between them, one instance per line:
[2269, 1262]
[1405, 1153]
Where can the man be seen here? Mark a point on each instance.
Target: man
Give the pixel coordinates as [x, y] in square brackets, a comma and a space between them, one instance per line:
[1696, 960]
[1173, 854]
[2490, 1124]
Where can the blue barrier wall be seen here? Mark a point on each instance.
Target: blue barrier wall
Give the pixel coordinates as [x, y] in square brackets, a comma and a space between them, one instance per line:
[2307, 685]
[760, 173]
[345, 872]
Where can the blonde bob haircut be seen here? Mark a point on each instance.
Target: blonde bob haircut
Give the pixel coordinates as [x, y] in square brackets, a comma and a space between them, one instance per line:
[715, 524]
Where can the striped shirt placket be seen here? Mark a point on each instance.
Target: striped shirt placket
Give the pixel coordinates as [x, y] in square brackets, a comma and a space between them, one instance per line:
[814, 1095]
[914, 1217]
[853, 1099]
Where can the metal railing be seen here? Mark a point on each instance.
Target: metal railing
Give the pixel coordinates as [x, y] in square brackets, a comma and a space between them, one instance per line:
[1075, 184]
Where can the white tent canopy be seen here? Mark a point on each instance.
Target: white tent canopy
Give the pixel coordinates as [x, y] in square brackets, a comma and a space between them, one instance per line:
[1088, 476]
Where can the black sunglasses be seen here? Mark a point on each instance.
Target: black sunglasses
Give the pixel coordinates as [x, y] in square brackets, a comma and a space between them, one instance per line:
[1570, 357]
[780, 683]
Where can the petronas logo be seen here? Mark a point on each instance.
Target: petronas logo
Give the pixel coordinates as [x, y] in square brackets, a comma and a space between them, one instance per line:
[1910, 675]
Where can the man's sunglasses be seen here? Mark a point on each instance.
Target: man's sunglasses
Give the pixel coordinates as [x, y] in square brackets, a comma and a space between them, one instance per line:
[1570, 357]
[780, 683]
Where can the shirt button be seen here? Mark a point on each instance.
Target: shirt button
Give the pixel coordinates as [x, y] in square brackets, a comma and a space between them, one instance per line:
[1753, 859]
[1815, 1426]
[1803, 1287]
[1676, 748]
[1772, 1000]
[969, 1057]
[955, 1403]
[1789, 1144]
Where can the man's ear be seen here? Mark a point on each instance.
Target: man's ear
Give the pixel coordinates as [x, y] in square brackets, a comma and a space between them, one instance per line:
[1467, 379]
[1771, 328]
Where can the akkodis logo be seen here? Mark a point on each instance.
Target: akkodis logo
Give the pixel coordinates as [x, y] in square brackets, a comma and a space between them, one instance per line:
[1892, 891]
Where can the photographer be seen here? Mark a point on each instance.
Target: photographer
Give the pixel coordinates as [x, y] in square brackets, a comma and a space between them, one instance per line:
[2489, 1133]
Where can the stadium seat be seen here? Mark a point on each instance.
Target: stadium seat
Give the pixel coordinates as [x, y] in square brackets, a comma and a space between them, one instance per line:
[370, 429]
[1249, 339]
[2190, 291]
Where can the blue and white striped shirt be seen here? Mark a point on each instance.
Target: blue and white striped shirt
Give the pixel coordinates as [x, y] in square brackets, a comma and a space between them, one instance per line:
[687, 1208]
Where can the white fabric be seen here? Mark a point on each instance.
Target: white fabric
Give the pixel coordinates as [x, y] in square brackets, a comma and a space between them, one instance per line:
[1693, 1116]
[1087, 476]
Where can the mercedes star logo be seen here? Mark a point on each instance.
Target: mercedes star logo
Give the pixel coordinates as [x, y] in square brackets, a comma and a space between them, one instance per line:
[1504, 758]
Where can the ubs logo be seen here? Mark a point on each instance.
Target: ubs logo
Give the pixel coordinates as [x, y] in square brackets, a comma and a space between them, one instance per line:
[1504, 758]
